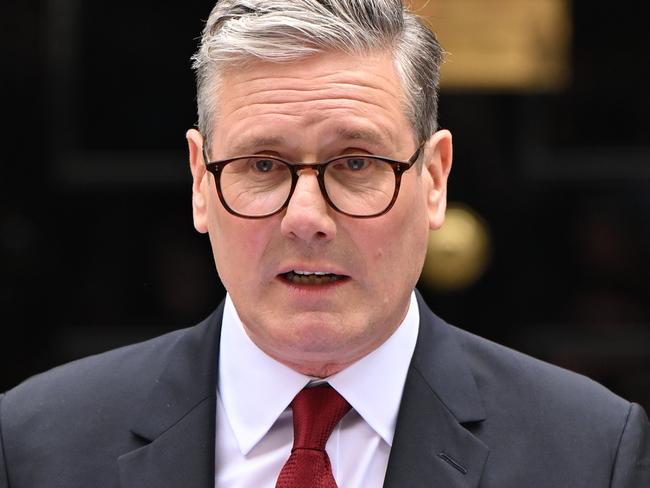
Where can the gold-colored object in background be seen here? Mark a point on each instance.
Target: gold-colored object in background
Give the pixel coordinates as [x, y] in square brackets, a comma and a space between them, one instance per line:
[459, 252]
[512, 45]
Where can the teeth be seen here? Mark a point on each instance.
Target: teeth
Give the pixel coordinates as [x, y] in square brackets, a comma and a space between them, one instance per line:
[311, 278]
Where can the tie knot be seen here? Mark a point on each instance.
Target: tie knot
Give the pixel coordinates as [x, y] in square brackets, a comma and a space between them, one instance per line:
[316, 411]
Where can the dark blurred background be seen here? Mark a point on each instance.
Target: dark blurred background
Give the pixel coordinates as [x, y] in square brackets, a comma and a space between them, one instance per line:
[96, 236]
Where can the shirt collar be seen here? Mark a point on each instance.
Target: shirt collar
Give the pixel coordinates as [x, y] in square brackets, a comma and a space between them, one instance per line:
[374, 384]
[254, 396]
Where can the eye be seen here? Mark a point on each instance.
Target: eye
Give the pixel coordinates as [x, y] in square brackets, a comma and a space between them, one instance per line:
[353, 164]
[264, 165]
[356, 164]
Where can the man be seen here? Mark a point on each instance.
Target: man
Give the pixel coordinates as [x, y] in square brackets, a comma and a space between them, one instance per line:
[318, 171]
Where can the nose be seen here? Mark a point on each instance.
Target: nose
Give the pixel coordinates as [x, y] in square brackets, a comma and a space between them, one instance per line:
[308, 217]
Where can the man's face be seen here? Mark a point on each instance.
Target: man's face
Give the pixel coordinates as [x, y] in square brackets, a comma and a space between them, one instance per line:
[307, 111]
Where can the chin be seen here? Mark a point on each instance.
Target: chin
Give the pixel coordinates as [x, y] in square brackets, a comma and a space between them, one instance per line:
[317, 338]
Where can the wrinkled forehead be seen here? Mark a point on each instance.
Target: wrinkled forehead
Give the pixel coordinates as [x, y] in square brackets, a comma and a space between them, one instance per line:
[347, 96]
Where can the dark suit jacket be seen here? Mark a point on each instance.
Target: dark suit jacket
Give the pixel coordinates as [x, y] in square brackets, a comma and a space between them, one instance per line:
[473, 414]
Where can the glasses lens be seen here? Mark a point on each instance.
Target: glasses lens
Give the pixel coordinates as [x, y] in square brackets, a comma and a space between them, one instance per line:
[255, 186]
[360, 185]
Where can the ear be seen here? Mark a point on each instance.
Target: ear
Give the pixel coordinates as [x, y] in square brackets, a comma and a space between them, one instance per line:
[438, 165]
[199, 174]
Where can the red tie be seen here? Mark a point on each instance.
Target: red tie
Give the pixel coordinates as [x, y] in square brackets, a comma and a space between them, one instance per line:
[316, 411]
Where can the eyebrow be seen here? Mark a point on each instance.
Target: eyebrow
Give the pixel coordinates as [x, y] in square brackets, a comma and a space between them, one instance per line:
[249, 145]
[370, 136]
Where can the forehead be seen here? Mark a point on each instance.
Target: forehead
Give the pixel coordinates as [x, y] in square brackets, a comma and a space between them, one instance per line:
[327, 97]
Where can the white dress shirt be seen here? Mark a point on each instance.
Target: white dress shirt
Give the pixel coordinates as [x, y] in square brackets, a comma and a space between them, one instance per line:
[254, 430]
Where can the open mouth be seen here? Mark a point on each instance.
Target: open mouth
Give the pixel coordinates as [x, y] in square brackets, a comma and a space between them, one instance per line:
[311, 278]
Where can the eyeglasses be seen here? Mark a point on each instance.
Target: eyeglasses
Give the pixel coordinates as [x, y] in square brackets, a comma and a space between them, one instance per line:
[356, 185]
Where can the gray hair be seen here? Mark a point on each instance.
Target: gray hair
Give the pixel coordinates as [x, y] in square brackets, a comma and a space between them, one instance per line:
[240, 31]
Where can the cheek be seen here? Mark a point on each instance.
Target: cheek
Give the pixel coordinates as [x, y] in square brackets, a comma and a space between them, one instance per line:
[238, 246]
[400, 248]
[400, 241]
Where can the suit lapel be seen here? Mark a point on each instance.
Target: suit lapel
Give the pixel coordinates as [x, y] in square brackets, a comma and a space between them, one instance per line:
[433, 444]
[177, 423]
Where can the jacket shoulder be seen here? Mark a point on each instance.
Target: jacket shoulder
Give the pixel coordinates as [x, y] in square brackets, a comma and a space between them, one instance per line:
[499, 370]
[557, 413]
[68, 426]
[99, 389]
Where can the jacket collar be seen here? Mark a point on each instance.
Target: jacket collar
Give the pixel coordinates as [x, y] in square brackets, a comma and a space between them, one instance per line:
[440, 405]
[177, 421]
